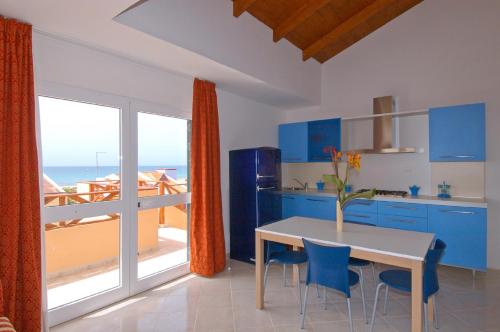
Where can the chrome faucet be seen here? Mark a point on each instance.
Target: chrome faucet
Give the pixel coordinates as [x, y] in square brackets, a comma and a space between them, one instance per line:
[304, 185]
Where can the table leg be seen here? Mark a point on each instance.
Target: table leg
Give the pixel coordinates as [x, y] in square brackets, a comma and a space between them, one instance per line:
[295, 274]
[416, 296]
[259, 271]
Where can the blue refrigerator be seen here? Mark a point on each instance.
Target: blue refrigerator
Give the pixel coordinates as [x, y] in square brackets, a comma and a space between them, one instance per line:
[254, 184]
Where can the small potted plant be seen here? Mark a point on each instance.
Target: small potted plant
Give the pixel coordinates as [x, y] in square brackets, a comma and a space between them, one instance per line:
[343, 198]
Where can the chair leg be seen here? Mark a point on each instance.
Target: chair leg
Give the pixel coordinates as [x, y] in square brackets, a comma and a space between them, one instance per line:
[385, 300]
[300, 292]
[373, 272]
[284, 275]
[375, 305]
[361, 284]
[349, 313]
[304, 308]
[324, 297]
[317, 291]
[436, 323]
[426, 318]
[266, 271]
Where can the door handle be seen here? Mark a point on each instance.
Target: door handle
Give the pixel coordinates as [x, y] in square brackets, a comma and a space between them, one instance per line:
[264, 176]
[265, 188]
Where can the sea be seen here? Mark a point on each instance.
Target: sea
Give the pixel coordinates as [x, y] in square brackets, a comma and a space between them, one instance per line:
[70, 175]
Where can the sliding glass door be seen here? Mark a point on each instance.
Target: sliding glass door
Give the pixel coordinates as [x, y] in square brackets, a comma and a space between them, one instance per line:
[115, 194]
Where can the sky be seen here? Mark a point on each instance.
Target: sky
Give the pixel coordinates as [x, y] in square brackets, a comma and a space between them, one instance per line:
[72, 133]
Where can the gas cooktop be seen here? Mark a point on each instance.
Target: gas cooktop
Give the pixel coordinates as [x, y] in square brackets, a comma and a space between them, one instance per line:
[392, 193]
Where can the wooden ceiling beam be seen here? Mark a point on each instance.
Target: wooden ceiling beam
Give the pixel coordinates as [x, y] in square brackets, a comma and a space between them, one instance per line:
[240, 6]
[298, 17]
[346, 26]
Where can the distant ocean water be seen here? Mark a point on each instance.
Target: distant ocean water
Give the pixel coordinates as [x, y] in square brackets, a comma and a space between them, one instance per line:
[70, 175]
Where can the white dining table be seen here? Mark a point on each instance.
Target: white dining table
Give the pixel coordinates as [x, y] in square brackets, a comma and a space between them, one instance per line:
[406, 249]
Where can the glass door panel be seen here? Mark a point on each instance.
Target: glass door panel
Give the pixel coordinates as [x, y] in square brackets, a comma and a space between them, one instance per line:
[162, 239]
[163, 192]
[81, 152]
[82, 258]
[162, 155]
[85, 228]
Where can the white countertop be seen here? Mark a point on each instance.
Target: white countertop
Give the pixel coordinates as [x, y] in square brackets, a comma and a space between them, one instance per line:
[392, 242]
[454, 201]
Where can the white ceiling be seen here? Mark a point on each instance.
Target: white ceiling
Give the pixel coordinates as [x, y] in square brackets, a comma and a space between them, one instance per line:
[90, 22]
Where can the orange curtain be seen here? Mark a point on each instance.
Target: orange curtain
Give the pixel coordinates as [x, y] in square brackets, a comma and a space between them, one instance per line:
[19, 186]
[208, 253]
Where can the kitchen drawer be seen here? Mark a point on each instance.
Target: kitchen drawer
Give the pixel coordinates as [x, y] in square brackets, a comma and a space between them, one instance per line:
[403, 222]
[362, 205]
[464, 230]
[402, 209]
[361, 217]
[318, 207]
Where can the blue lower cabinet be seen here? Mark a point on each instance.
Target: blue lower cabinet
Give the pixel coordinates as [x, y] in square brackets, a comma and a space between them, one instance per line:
[290, 205]
[464, 232]
[403, 222]
[318, 207]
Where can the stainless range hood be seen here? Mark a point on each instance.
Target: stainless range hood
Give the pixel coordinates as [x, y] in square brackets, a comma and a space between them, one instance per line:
[385, 128]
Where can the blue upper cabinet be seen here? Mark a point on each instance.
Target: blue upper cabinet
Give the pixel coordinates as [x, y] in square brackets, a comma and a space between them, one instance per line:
[457, 133]
[323, 134]
[293, 139]
[306, 141]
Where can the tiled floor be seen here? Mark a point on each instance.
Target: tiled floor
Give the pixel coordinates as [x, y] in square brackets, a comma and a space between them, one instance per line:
[227, 303]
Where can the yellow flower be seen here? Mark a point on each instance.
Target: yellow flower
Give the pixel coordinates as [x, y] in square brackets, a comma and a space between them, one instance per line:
[354, 160]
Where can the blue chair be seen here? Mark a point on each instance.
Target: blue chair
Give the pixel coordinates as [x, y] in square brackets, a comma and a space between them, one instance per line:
[401, 280]
[328, 267]
[359, 264]
[279, 254]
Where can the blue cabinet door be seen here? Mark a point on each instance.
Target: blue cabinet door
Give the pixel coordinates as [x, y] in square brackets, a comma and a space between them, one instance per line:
[323, 134]
[464, 232]
[318, 207]
[457, 133]
[293, 139]
[290, 205]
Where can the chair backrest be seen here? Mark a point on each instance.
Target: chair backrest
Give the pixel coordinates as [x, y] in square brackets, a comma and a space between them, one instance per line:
[328, 266]
[432, 258]
[273, 247]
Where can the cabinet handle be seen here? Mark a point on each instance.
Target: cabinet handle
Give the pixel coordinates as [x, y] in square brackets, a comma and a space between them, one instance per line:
[402, 207]
[457, 211]
[288, 197]
[458, 156]
[406, 221]
[357, 215]
[362, 203]
[316, 200]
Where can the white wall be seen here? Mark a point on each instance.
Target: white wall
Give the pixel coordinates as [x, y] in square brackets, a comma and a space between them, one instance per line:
[441, 52]
[243, 122]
